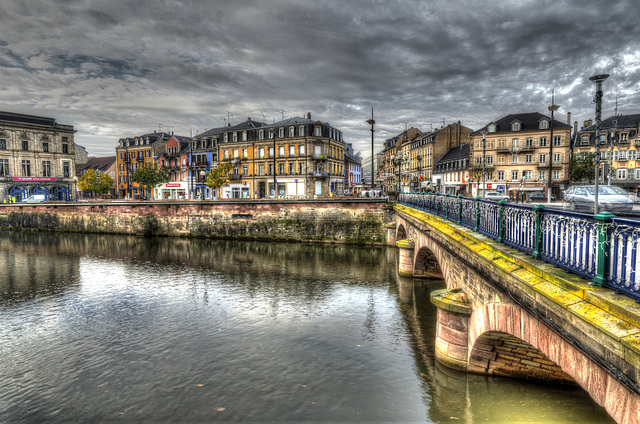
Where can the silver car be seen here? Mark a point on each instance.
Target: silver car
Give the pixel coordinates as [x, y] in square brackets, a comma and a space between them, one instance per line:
[582, 198]
[495, 196]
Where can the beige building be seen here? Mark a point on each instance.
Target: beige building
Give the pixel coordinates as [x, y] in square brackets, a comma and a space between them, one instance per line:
[37, 156]
[518, 153]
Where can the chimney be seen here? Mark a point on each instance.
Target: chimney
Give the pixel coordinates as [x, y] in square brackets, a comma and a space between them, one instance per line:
[309, 115]
[587, 123]
[575, 127]
[569, 118]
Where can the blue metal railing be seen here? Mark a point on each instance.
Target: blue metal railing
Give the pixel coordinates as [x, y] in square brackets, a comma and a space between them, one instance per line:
[602, 248]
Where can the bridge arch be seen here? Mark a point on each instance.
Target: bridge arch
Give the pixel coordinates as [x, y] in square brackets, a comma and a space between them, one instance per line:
[428, 258]
[401, 232]
[501, 335]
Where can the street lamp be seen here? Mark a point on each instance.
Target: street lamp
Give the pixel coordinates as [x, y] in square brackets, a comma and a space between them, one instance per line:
[552, 108]
[598, 80]
[75, 187]
[372, 122]
[484, 161]
[202, 174]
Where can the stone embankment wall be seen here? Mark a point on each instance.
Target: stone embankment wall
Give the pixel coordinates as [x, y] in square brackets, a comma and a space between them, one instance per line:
[353, 221]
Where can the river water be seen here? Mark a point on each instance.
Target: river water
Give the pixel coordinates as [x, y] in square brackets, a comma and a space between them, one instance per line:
[109, 328]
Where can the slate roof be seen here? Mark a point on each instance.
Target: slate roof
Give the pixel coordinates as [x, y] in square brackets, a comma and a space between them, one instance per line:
[246, 125]
[27, 119]
[455, 153]
[529, 122]
[620, 121]
[99, 164]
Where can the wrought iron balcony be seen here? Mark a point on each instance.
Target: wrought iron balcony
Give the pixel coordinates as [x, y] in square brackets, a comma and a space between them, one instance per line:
[235, 177]
[320, 174]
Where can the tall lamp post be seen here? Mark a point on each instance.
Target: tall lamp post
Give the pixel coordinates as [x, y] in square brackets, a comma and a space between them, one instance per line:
[372, 122]
[612, 140]
[598, 80]
[484, 161]
[75, 187]
[552, 109]
[202, 174]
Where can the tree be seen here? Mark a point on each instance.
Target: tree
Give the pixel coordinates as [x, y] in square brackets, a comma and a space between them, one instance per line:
[217, 177]
[582, 168]
[149, 176]
[95, 182]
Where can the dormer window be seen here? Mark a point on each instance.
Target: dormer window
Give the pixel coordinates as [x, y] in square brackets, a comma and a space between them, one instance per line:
[301, 131]
[492, 128]
[318, 131]
[235, 136]
[515, 126]
[226, 137]
[292, 131]
[544, 124]
[244, 136]
[281, 132]
[261, 135]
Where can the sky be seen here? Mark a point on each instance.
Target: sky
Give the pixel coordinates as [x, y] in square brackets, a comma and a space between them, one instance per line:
[121, 68]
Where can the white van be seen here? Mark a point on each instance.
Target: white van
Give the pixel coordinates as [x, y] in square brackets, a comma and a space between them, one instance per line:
[35, 198]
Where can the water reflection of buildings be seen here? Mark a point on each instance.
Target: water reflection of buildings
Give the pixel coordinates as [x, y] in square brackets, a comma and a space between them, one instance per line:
[30, 264]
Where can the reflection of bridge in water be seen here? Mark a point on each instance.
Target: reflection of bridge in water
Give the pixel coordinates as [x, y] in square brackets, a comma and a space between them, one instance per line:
[509, 310]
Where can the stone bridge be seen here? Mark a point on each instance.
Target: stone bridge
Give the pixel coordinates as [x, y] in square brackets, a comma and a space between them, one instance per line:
[506, 314]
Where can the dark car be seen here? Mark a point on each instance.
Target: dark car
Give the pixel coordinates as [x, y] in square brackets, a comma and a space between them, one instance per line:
[538, 196]
[140, 197]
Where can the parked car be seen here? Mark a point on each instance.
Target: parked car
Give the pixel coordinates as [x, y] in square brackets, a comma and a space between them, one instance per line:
[538, 196]
[35, 198]
[495, 196]
[582, 198]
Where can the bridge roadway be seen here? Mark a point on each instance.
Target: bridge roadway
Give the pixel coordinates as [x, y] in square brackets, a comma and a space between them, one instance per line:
[506, 314]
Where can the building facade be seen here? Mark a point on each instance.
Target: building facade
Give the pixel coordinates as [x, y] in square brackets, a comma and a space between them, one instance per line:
[620, 141]
[517, 152]
[450, 173]
[37, 156]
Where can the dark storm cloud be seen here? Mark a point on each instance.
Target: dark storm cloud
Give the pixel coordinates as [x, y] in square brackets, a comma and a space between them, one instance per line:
[119, 68]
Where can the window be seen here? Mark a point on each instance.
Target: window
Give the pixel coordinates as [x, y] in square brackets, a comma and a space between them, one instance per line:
[620, 155]
[65, 139]
[270, 169]
[318, 131]
[261, 152]
[301, 150]
[3, 144]
[501, 160]
[26, 168]
[292, 131]
[632, 154]
[25, 145]
[281, 132]
[45, 147]
[556, 140]
[543, 141]
[244, 136]
[225, 154]
[492, 128]
[542, 158]
[236, 153]
[584, 139]
[544, 124]
[292, 168]
[226, 137]
[622, 174]
[528, 159]
[261, 135]
[261, 169]
[526, 175]
[515, 126]
[542, 175]
[555, 175]
[147, 153]
[478, 160]
[515, 143]
[292, 151]
[271, 152]
[245, 170]
[245, 153]
[281, 168]
[301, 131]
[489, 160]
[624, 137]
[235, 136]
[514, 159]
[514, 175]
[46, 168]
[4, 167]
[300, 168]
[281, 151]
[557, 157]
[529, 142]
[637, 173]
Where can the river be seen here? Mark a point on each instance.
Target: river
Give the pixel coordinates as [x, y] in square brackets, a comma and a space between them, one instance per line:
[109, 328]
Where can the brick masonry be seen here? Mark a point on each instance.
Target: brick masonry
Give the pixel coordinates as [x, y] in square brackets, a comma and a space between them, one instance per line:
[349, 221]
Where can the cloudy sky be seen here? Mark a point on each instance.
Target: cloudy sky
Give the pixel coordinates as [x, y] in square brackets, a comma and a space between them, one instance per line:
[120, 68]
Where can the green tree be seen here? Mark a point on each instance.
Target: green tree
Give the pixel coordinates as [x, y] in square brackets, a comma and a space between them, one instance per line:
[582, 167]
[217, 177]
[96, 182]
[150, 176]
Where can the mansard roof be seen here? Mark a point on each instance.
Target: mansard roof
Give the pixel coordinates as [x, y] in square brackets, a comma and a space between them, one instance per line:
[529, 122]
[101, 164]
[618, 121]
[455, 153]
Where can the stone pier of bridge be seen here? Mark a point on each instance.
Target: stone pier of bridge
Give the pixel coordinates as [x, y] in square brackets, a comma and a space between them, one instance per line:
[505, 314]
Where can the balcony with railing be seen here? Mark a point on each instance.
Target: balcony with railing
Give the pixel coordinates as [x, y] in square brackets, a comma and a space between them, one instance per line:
[319, 174]
[235, 176]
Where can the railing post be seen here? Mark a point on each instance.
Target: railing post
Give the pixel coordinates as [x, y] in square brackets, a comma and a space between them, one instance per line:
[460, 209]
[537, 241]
[602, 251]
[501, 220]
[477, 226]
[446, 205]
[437, 204]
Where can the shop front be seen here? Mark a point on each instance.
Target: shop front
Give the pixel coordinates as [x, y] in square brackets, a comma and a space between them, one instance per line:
[54, 189]
[519, 192]
[288, 187]
[240, 190]
[172, 191]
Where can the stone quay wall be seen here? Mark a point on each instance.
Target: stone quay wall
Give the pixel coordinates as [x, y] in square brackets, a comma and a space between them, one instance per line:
[356, 221]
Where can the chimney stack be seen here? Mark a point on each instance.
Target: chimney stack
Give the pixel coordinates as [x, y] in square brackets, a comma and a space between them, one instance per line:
[575, 127]
[569, 118]
[309, 115]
